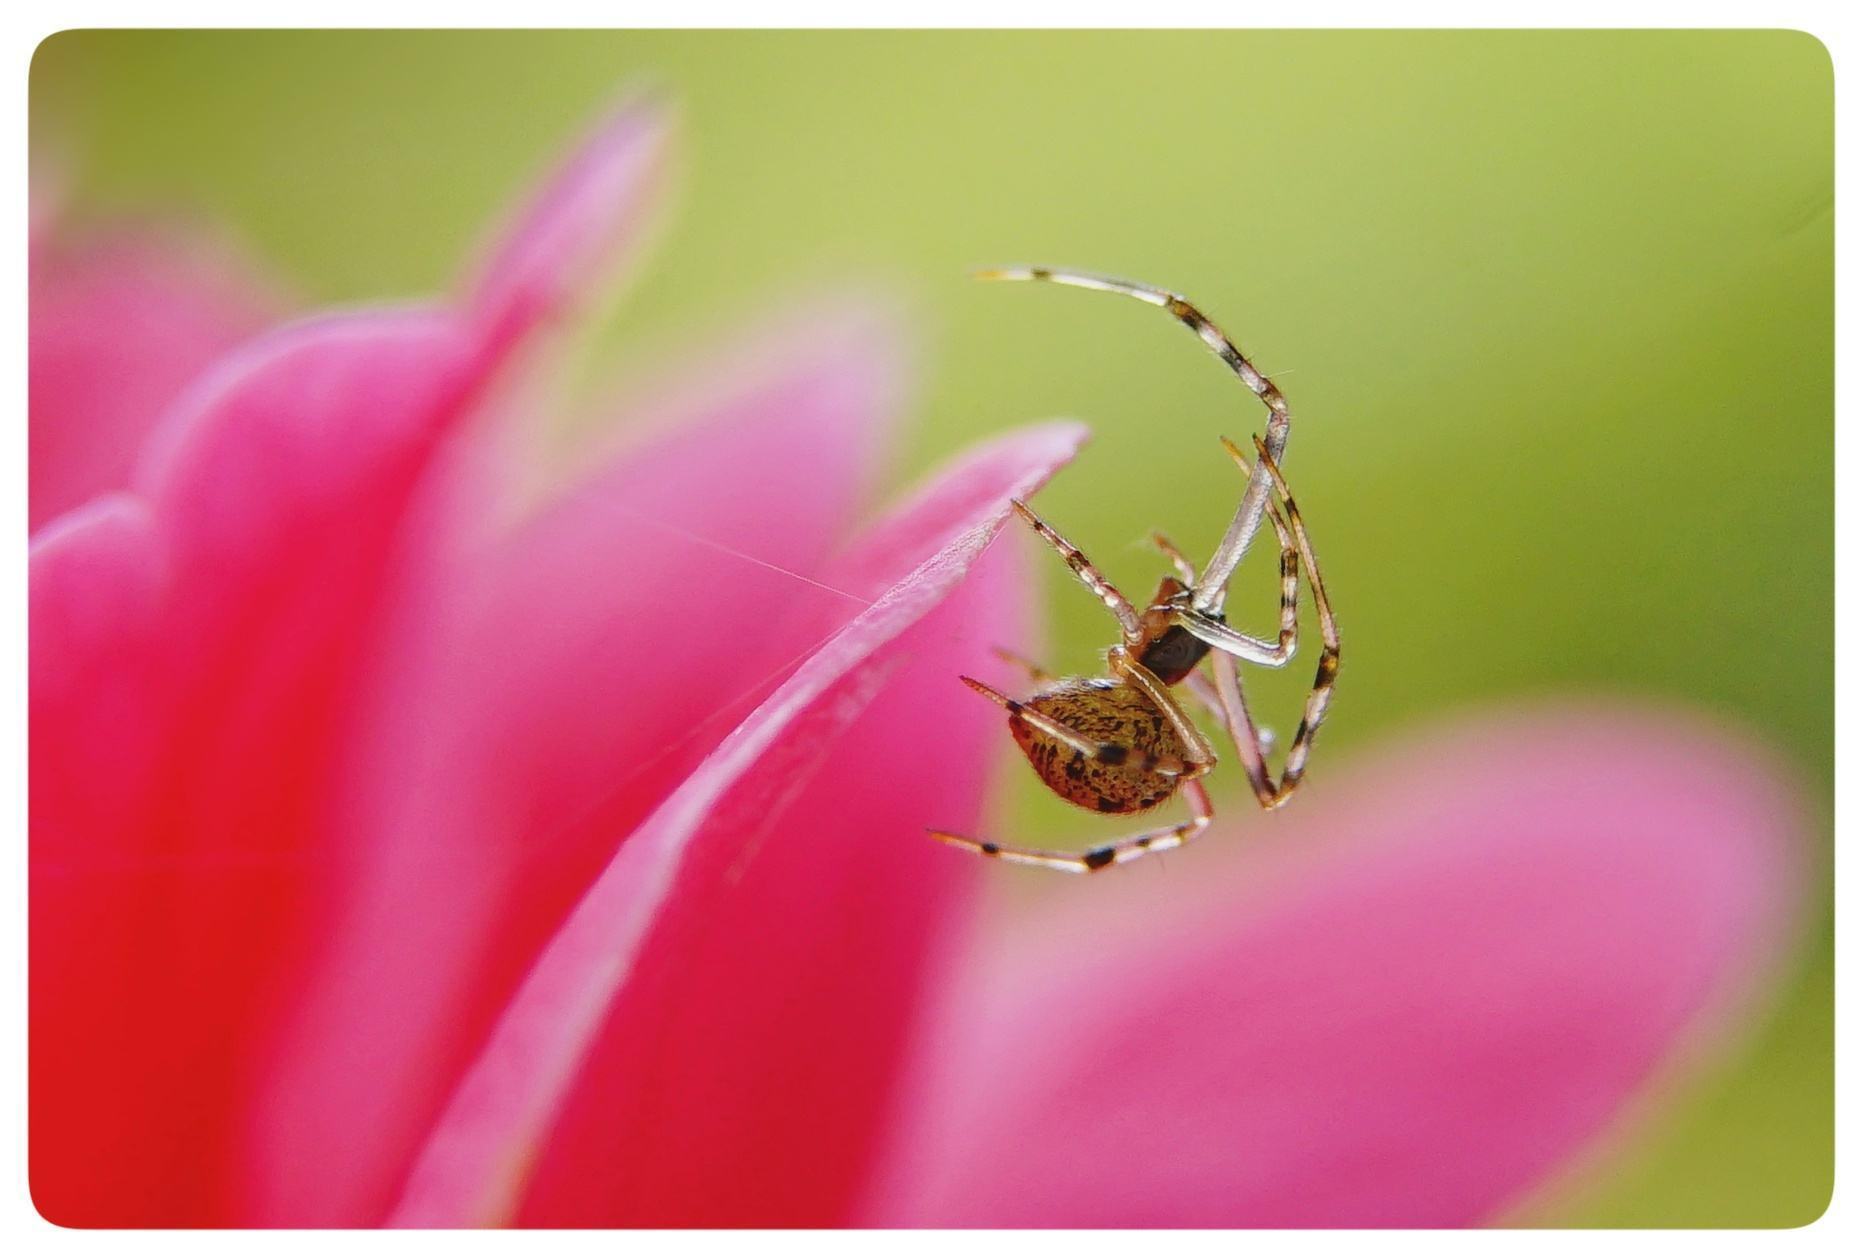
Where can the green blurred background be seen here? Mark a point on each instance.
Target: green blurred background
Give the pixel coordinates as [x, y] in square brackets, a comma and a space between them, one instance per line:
[1554, 311]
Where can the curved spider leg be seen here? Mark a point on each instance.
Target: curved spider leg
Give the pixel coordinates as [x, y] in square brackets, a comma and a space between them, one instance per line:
[1327, 672]
[1118, 852]
[1168, 548]
[1210, 591]
[1207, 694]
[1226, 701]
[1246, 646]
[1091, 577]
[1232, 708]
[1093, 749]
[1223, 698]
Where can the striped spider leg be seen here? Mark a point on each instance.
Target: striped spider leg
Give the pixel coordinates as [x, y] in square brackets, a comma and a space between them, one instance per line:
[1122, 743]
[1224, 696]
[1210, 589]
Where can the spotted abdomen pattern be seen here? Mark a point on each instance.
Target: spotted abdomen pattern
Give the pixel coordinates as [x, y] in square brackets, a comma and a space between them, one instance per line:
[1135, 734]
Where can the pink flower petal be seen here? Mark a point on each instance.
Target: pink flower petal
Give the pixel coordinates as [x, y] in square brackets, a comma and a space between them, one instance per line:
[570, 677]
[96, 577]
[1402, 1003]
[806, 928]
[281, 495]
[291, 496]
[598, 1037]
[560, 246]
[274, 507]
[118, 326]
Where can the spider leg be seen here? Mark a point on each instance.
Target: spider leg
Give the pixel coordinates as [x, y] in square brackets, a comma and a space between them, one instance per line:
[1105, 753]
[1123, 665]
[1246, 646]
[1179, 308]
[1211, 699]
[1210, 591]
[1233, 708]
[1118, 852]
[1090, 576]
[1327, 672]
[1224, 700]
[1185, 573]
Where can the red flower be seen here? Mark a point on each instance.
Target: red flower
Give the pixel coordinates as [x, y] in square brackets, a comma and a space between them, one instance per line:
[399, 855]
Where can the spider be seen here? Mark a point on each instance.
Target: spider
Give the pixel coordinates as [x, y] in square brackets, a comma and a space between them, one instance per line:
[1123, 743]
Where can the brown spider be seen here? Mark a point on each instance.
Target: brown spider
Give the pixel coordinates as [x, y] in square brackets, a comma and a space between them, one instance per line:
[1123, 743]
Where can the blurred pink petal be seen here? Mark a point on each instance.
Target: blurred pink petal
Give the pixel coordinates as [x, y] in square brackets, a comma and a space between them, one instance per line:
[275, 513]
[96, 578]
[744, 968]
[97, 583]
[561, 682]
[279, 490]
[118, 325]
[1440, 982]
[280, 497]
[559, 249]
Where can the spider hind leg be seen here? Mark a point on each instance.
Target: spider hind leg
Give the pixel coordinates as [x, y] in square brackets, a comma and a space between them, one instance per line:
[1094, 859]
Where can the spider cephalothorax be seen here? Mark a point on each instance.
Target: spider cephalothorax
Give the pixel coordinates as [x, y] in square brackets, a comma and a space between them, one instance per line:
[1122, 743]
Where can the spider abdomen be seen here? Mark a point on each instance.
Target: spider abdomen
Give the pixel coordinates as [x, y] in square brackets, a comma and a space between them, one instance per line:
[1111, 713]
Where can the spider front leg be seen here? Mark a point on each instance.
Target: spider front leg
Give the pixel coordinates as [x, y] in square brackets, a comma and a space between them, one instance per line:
[1090, 576]
[1207, 595]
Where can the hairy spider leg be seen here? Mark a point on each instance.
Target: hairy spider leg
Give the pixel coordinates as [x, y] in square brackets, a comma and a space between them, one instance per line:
[1180, 564]
[1234, 708]
[1118, 852]
[1206, 628]
[1206, 693]
[1091, 577]
[1244, 646]
[1210, 591]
